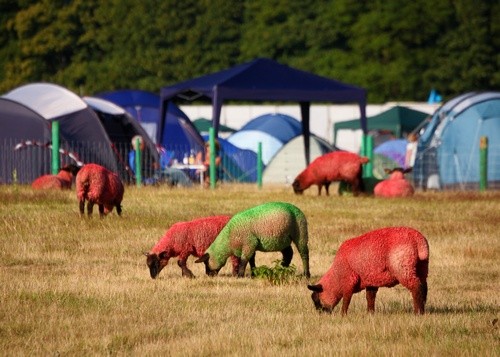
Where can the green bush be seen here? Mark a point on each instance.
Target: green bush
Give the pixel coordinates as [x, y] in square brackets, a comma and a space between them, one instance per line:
[276, 275]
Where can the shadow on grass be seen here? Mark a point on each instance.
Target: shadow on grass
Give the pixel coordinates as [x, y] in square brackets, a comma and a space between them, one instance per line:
[445, 310]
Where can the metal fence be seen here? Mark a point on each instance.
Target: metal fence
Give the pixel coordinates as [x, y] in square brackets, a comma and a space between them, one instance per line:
[455, 171]
[433, 170]
[23, 161]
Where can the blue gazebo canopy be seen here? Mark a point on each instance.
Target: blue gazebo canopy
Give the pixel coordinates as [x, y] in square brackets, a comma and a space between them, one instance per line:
[266, 80]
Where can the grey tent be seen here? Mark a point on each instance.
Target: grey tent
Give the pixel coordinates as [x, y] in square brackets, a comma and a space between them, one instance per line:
[20, 125]
[266, 80]
[80, 127]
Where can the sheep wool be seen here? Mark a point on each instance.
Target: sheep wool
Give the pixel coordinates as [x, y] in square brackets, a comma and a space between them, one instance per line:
[62, 181]
[394, 186]
[330, 167]
[97, 185]
[380, 258]
[184, 239]
[268, 227]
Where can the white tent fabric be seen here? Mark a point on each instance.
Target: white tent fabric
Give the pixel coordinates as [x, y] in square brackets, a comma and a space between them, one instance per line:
[104, 106]
[290, 159]
[48, 100]
[249, 139]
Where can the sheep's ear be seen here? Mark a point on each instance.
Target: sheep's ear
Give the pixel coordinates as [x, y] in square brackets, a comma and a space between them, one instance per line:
[408, 169]
[146, 254]
[387, 171]
[317, 288]
[204, 258]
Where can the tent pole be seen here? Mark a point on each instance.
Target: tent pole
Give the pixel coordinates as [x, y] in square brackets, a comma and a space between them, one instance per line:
[304, 111]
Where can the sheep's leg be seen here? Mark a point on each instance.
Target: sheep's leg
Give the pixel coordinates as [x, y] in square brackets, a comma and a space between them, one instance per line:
[419, 294]
[82, 207]
[185, 270]
[287, 256]
[101, 210]
[235, 262]
[304, 255]
[242, 267]
[371, 293]
[320, 187]
[90, 207]
[346, 300]
[252, 264]
[119, 209]
[327, 188]
[355, 186]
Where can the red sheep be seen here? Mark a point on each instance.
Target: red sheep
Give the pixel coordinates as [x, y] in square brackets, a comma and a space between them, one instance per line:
[384, 257]
[333, 166]
[396, 185]
[98, 185]
[184, 239]
[62, 181]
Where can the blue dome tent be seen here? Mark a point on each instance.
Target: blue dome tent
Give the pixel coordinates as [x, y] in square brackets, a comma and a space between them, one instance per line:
[448, 149]
[175, 132]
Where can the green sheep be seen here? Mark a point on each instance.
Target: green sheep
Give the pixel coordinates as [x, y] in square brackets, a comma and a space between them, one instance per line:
[270, 227]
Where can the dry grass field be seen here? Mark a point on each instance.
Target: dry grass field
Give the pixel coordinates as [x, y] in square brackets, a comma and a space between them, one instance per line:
[71, 286]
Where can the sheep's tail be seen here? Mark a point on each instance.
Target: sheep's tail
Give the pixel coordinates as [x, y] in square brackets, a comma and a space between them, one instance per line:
[363, 160]
[423, 258]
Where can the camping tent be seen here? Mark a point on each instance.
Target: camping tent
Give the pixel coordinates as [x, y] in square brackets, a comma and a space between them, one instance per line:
[249, 139]
[19, 124]
[237, 165]
[175, 132]
[80, 127]
[290, 160]
[272, 130]
[142, 105]
[203, 125]
[121, 129]
[266, 80]
[448, 149]
[397, 120]
[281, 126]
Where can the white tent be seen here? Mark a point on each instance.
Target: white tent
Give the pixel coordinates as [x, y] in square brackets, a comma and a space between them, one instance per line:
[290, 160]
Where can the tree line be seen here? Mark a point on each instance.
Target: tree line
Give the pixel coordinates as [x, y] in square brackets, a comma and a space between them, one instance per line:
[398, 50]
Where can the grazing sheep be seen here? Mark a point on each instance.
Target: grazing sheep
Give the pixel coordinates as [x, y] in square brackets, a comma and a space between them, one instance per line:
[269, 227]
[184, 239]
[396, 185]
[384, 257]
[62, 181]
[330, 167]
[98, 185]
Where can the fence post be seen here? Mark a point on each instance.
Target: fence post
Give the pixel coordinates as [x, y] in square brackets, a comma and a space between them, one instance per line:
[367, 151]
[138, 166]
[55, 148]
[259, 165]
[212, 168]
[483, 163]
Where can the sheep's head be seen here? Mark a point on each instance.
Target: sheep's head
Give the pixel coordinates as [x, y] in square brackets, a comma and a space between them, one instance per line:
[297, 187]
[205, 258]
[397, 172]
[156, 262]
[71, 168]
[315, 296]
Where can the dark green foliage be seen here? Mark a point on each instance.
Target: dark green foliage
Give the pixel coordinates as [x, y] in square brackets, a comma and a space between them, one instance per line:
[277, 274]
[396, 49]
